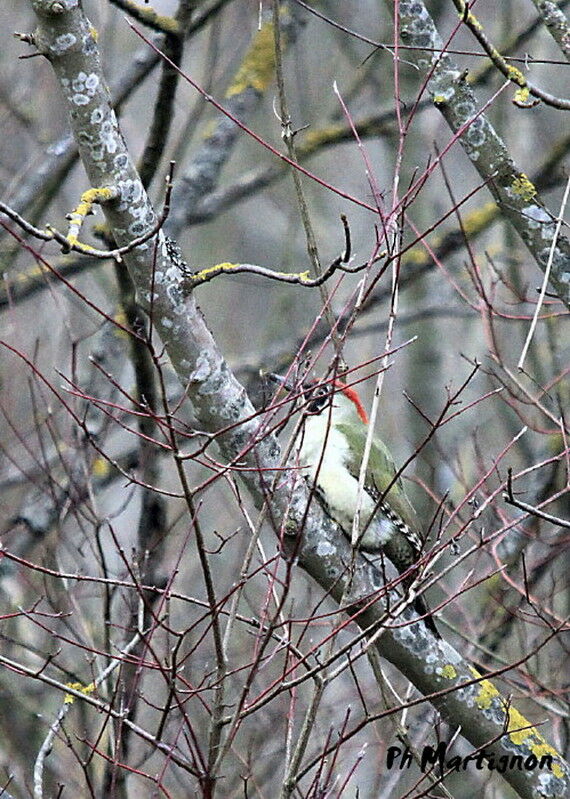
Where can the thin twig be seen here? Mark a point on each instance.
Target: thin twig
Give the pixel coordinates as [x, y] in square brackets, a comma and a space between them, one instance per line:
[510, 498]
[546, 276]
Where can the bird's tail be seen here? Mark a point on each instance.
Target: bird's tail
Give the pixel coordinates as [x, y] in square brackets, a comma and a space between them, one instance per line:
[423, 610]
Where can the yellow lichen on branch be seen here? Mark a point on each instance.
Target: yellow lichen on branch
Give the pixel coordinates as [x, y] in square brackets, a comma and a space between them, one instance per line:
[258, 66]
[523, 187]
[519, 729]
[78, 215]
[203, 275]
[148, 16]
[69, 699]
[210, 272]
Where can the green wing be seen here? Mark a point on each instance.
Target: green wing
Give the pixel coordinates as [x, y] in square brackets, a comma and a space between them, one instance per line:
[380, 472]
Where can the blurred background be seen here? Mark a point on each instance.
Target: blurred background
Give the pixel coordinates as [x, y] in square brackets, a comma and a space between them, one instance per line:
[467, 294]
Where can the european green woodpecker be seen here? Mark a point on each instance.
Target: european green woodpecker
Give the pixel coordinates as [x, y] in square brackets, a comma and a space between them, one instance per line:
[332, 447]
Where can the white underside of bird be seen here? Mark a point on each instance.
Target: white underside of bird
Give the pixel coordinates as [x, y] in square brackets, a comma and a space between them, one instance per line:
[334, 437]
[327, 467]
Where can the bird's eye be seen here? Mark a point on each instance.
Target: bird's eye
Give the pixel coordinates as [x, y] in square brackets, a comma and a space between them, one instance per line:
[319, 399]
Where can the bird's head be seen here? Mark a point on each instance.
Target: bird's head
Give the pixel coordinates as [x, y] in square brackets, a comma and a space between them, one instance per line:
[332, 397]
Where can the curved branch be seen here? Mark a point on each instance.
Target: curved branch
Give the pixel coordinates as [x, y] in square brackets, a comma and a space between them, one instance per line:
[526, 88]
[516, 195]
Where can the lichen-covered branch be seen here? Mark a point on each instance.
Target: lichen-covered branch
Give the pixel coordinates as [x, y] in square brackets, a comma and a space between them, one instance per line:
[526, 90]
[516, 195]
[148, 16]
[340, 264]
[555, 21]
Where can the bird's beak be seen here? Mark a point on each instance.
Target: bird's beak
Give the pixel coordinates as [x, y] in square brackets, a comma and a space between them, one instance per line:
[282, 381]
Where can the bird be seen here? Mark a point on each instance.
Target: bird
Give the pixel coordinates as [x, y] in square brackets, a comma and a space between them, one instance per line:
[333, 440]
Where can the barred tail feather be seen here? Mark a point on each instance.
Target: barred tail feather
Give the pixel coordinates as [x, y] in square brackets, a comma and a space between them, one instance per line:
[422, 609]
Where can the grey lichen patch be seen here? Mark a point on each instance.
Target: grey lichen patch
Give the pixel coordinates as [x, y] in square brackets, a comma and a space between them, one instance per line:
[537, 216]
[406, 637]
[416, 14]
[234, 410]
[176, 298]
[88, 44]
[144, 214]
[83, 88]
[325, 548]
[449, 654]
[103, 136]
[173, 275]
[131, 192]
[109, 134]
[464, 110]
[97, 116]
[551, 785]
[353, 590]
[238, 438]
[63, 43]
[135, 202]
[548, 231]
[468, 694]
[559, 259]
[416, 639]
[136, 229]
[169, 275]
[476, 133]
[144, 217]
[85, 83]
[209, 377]
[432, 662]
[202, 371]
[121, 162]
[376, 578]
[416, 25]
